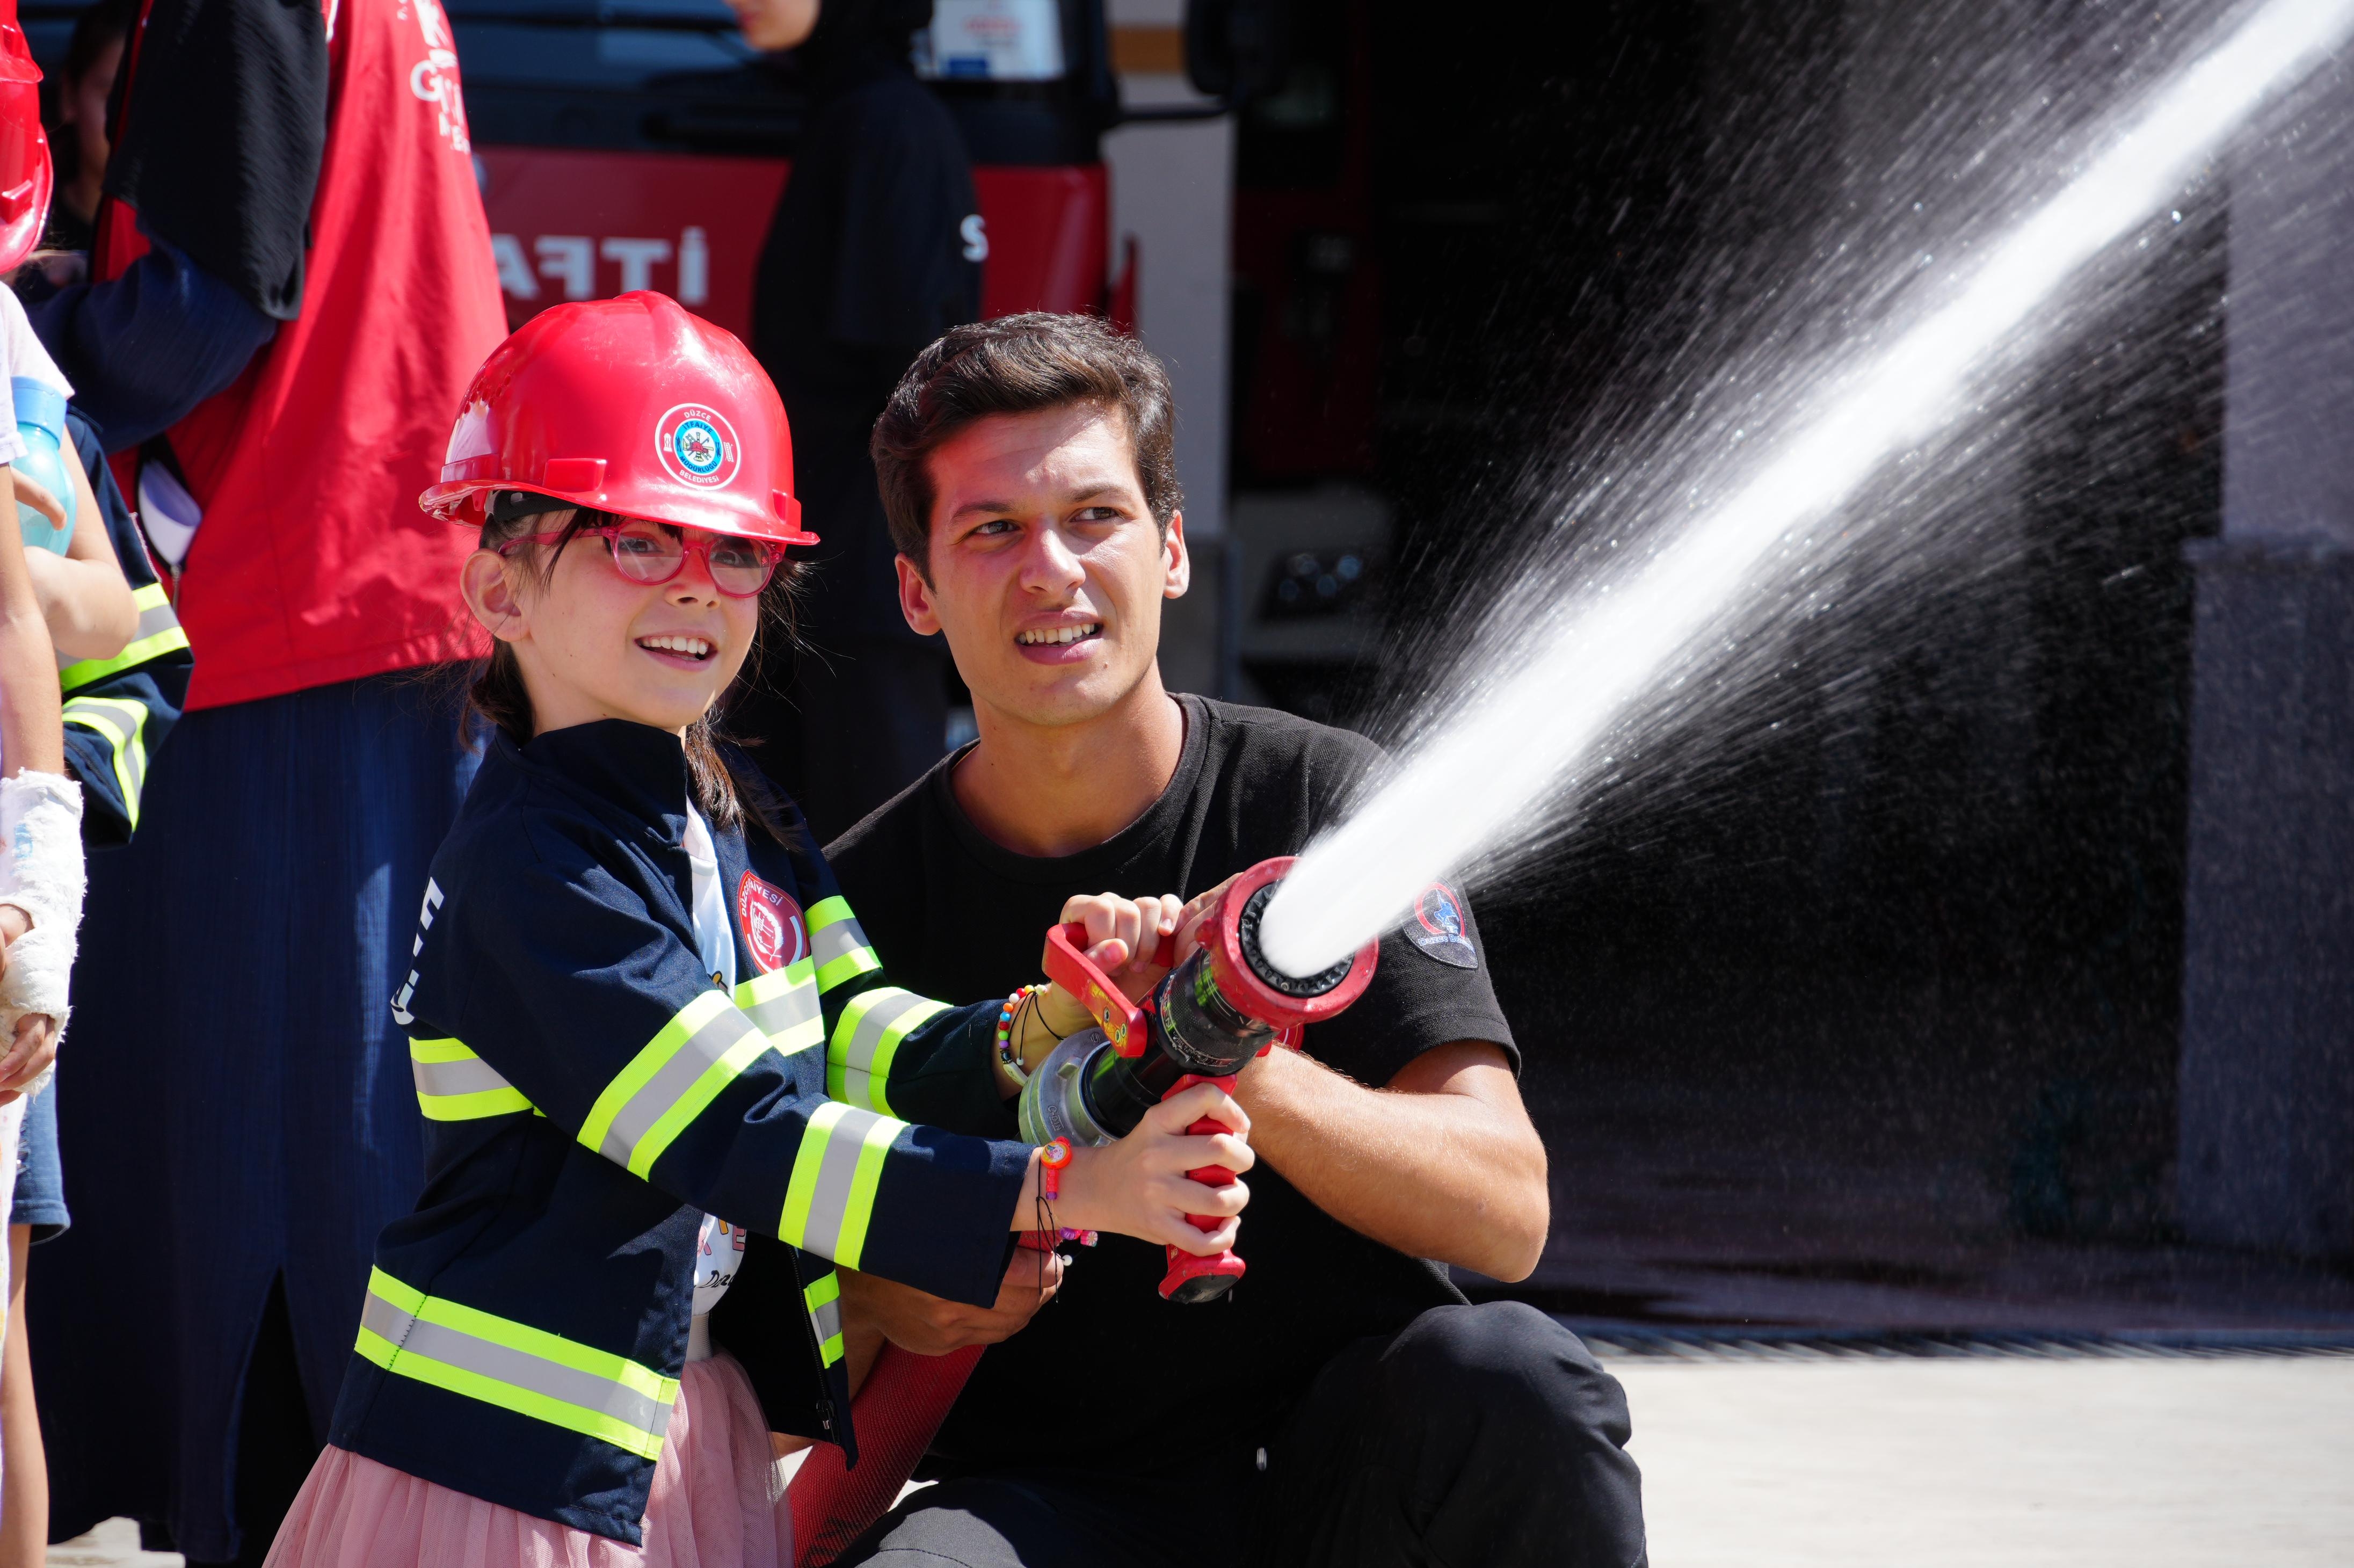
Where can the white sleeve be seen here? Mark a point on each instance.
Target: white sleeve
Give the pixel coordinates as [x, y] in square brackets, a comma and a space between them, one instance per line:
[26, 359]
[42, 873]
[26, 355]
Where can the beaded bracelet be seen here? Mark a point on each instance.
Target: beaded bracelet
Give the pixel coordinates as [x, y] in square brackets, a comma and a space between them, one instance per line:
[1007, 1056]
[1054, 1159]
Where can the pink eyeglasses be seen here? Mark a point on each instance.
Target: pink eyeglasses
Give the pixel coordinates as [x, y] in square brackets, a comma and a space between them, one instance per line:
[650, 553]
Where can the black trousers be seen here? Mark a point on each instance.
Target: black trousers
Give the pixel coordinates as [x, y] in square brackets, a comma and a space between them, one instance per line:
[1476, 1438]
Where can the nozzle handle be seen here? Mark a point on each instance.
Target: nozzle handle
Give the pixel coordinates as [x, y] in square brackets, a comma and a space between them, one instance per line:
[1067, 965]
[1192, 1278]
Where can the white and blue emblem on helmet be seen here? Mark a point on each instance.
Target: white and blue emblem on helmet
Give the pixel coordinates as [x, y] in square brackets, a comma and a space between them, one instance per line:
[697, 445]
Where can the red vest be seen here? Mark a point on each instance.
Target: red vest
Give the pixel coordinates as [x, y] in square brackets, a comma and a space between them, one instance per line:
[314, 564]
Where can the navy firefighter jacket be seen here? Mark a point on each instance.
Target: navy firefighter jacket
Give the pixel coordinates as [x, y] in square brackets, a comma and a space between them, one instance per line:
[589, 1092]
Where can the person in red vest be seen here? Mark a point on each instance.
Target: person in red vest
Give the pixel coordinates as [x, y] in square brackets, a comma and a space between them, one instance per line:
[292, 284]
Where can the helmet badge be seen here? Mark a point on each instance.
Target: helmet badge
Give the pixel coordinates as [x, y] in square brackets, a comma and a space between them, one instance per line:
[697, 445]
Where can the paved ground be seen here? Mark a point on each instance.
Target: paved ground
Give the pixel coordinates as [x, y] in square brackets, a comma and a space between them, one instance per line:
[2019, 1461]
[1853, 1461]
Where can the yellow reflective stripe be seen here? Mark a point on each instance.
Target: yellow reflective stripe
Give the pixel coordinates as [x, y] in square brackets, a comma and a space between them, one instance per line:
[123, 723]
[451, 1379]
[723, 1070]
[783, 1004]
[606, 1364]
[441, 1050]
[670, 1081]
[528, 1370]
[455, 1084]
[474, 1105]
[866, 1037]
[824, 1300]
[144, 645]
[838, 943]
[831, 1198]
[644, 1065]
[872, 1153]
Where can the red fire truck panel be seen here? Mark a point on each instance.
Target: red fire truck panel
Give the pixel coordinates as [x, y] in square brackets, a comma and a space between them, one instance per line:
[584, 224]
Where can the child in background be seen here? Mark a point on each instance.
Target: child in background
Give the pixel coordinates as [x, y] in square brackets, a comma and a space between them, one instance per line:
[40, 806]
[668, 1091]
[66, 614]
[85, 80]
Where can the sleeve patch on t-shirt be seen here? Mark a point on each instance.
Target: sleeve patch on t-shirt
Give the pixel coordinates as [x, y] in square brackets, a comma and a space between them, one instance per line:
[1437, 928]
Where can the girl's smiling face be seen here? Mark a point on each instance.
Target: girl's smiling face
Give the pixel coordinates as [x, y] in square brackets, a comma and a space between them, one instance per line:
[594, 644]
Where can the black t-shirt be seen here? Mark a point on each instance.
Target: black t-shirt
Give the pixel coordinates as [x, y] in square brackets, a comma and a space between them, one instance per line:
[955, 914]
[873, 254]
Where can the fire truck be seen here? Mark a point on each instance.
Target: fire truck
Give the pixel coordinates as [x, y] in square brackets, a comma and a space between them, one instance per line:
[643, 143]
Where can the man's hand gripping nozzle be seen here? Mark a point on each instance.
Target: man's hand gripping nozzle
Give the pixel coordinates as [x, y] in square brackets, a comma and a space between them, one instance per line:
[1222, 1006]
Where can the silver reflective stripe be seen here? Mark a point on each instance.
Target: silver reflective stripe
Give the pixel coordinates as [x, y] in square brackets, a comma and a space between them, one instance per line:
[636, 1117]
[884, 1019]
[828, 1319]
[779, 1015]
[470, 1076]
[839, 940]
[830, 1203]
[121, 721]
[154, 616]
[519, 1369]
[831, 1199]
[824, 1301]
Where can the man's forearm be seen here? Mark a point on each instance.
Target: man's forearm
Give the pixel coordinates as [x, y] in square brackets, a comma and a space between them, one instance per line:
[1442, 1164]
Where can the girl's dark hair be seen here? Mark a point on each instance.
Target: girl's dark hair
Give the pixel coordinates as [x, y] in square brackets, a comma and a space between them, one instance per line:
[730, 795]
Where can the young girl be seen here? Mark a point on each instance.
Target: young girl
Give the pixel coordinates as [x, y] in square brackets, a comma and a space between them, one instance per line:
[633, 981]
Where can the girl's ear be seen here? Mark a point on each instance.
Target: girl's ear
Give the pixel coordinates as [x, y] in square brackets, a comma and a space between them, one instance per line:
[488, 588]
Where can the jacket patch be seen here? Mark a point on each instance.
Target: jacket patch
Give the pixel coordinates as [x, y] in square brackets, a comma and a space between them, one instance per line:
[773, 926]
[1437, 928]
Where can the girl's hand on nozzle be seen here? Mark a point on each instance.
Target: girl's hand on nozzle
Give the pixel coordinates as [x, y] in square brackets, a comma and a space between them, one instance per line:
[1138, 1187]
[1123, 936]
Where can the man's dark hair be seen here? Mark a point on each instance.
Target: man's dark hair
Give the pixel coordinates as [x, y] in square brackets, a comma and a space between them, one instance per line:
[1020, 365]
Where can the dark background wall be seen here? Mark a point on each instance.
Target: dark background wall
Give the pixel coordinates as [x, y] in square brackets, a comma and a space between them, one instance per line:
[1877, 1013]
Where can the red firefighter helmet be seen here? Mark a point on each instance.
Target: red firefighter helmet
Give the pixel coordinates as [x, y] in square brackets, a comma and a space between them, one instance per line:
[630, 405]
[25, 178]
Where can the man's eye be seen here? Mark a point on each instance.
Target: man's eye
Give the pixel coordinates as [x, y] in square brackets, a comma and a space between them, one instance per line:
[995, 527]
[1099, 515]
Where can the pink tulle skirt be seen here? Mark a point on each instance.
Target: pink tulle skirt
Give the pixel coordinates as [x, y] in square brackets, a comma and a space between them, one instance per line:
[714, 1504]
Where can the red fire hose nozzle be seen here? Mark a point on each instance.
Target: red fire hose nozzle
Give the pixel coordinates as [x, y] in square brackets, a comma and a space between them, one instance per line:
[1226, 1004]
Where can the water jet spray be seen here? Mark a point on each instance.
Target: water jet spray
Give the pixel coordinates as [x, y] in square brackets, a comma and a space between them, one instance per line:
[1547, 697]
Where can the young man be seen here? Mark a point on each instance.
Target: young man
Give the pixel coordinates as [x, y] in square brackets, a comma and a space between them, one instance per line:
[1348, 1404]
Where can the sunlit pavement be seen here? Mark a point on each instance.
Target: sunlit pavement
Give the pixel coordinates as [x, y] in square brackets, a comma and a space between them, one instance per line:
[2010, 1459]
[114, 1545]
